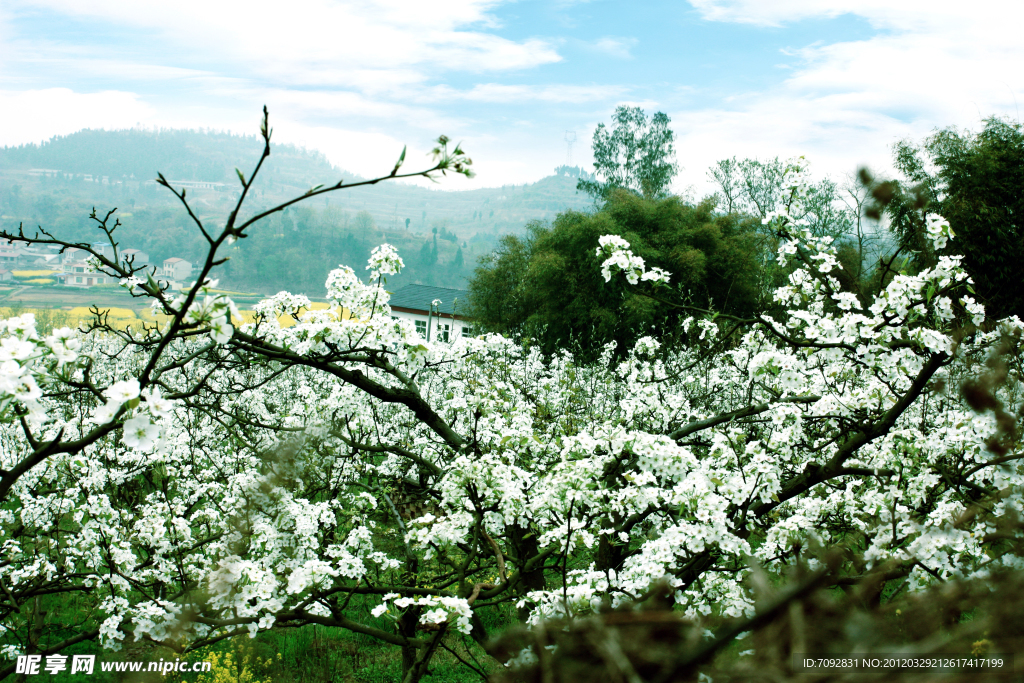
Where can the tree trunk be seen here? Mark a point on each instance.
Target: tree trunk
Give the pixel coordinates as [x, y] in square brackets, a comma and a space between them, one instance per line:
[526, 546]
[407, 624]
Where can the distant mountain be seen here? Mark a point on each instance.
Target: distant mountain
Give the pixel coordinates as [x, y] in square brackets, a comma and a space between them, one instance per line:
[441, 232]
[130, 156]
[141, 154]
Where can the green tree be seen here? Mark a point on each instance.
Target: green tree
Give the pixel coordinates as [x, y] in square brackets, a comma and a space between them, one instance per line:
[979, 188]
[635, 155]
[548, 285]
[752, 187]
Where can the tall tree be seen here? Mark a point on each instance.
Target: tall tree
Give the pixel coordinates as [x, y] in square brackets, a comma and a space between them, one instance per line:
[753, 187]
[979, 188]
[637, 154]
[752, 190]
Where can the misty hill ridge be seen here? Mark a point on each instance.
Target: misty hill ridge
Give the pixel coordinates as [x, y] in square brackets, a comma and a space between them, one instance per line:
[440, 233]
[179, 154]
[193, 155]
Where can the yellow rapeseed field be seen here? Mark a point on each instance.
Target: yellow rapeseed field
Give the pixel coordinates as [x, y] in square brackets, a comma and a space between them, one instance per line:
[33, 273]
[114, 313]
[287, 320]
[126, 317]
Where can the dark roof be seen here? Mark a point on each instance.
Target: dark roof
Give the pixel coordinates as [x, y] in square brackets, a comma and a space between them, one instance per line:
[418, 298]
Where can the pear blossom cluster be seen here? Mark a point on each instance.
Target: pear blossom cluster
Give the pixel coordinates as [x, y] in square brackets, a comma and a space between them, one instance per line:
[25, 360]
[437, 610]
[384, 261]
[342, 471]
[620, 258]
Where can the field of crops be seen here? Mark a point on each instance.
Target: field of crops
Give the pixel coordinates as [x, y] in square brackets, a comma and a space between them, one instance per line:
[52, 318]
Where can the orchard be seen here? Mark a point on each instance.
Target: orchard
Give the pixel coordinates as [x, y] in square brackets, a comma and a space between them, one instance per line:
[205, 478]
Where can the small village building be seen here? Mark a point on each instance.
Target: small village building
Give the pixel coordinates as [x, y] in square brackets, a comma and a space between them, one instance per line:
[6, 275]
[175, 269]
[195, 185]
[81, 274]
[103, 248]
[442, 322]
[74, 254]
[9, 254]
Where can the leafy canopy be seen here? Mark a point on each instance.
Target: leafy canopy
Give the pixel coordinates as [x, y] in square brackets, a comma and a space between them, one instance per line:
[547, 285]
[978, 185]
[635, 155]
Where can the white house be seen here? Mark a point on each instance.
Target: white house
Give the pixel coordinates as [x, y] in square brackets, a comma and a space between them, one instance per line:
[103, 248]
[441, 322]
[176, 269]
[80, 274]
[196, 184]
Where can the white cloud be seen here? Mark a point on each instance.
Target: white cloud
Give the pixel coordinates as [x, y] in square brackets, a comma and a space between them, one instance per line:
[846, 103]
[904, 15]
[321, 42]
[500, 93]
[325, 69]
[615, 47]
[358, 79]
[342, 105]
[78, 64]
[360, 152]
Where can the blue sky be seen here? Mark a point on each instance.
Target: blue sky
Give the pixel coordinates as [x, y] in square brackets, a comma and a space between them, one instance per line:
[836, 81]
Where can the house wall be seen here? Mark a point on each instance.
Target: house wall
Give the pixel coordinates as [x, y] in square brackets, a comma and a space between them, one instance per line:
[178, 270]
[456, 327]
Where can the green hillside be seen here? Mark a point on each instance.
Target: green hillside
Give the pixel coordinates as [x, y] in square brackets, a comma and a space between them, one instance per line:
[55, 185]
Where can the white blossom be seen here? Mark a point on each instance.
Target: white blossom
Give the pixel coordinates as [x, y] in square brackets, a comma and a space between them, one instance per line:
[140, 433]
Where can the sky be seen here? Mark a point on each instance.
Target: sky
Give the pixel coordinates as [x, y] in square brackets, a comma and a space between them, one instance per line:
[836, 81]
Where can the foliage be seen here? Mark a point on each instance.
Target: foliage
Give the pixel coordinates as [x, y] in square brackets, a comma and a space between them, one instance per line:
[976, 184]
[635, 155]
[547, 286]
[754, 188]
[200, 480]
